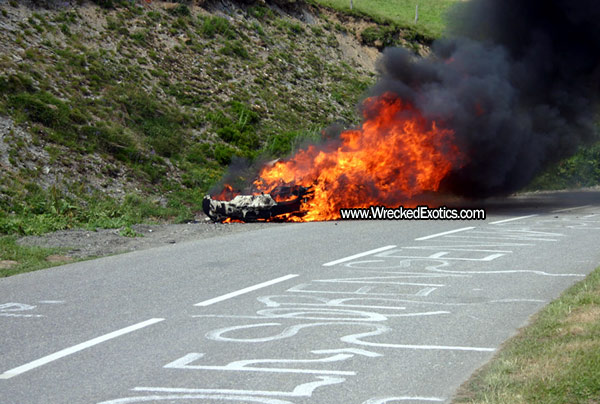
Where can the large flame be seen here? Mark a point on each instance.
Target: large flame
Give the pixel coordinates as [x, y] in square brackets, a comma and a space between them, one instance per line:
[394, 156]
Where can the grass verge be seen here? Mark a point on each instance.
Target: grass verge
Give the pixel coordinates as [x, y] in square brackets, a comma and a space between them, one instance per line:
[16, 259]
[431, 20]
[556, 359]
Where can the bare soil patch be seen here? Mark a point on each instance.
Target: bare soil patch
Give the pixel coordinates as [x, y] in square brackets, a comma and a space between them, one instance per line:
[80, 243]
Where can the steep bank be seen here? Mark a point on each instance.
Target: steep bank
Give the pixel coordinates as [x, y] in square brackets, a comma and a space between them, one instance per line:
[112, 115]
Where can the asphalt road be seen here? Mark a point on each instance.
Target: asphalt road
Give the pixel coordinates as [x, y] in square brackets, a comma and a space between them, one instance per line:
[365, 312]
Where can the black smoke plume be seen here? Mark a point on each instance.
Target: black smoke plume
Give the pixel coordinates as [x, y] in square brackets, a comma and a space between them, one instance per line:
[518, 82]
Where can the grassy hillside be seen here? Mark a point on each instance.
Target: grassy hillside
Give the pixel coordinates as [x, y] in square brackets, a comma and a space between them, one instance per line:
[116, 112]
[113, 115]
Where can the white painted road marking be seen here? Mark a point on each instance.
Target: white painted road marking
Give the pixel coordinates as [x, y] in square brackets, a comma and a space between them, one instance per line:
[245, 290]
[76, 348]
[574, 208]
[362, 254]
[246, 365]
[443, 233]
[402, 398]
[512, 219]
[302, 390]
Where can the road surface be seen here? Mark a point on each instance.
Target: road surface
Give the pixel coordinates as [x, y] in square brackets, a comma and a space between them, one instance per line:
[366, 312]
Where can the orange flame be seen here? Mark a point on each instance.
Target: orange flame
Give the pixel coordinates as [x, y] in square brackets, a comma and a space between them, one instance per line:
[394, 156]
[227, 194]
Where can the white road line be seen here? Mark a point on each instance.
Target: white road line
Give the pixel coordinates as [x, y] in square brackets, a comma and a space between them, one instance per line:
[443, 233]
[76, 348]
[574, 208]
[386, 400]
[245, 290]
[362, 254]
[512, 219]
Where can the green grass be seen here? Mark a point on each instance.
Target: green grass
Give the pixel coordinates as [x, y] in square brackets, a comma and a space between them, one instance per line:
[27, 258]
[554, 360]
[35, 211]
[401, 12]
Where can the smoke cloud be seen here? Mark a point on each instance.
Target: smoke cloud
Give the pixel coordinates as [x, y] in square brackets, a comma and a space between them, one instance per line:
[518, 82]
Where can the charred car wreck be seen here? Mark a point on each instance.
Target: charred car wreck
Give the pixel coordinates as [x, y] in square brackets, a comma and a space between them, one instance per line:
[283, 200]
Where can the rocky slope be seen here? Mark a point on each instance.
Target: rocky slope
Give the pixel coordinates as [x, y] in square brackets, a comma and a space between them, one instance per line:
[116, 111]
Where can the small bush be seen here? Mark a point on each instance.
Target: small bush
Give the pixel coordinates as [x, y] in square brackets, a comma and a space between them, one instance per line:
[154, 16]
[201, 178]
[316, 30]
[285, 143]
[217, 26]
[224, 154]
[234, 48]
[280, 144]
[42, 107]
[379, 36]
[160, 126]
[16, 83]
[112, 24]
[180, 10]
[64, 28]
[260, 12]
[140, 36]
[199, 154]
[295, 29]
[110, 140]
[258, 28]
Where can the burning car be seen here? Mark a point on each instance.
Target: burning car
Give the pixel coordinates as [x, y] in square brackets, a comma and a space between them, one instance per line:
[283, 202]
[360, 168]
